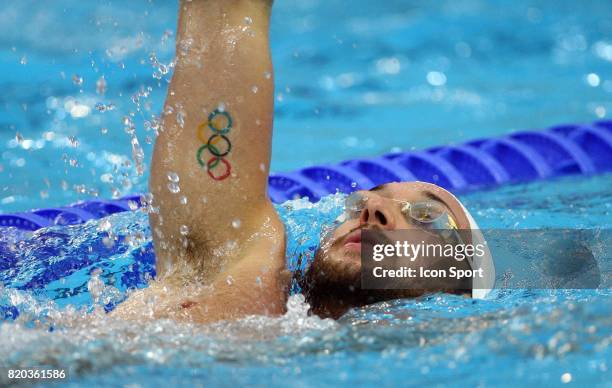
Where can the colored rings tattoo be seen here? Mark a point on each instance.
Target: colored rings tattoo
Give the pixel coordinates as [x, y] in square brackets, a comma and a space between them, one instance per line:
[220, 124]
[213, 119]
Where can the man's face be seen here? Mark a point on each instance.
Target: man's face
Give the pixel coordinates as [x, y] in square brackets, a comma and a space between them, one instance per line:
[336, 268]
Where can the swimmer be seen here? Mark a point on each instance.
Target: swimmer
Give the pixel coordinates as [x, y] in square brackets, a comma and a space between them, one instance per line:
[219, 243]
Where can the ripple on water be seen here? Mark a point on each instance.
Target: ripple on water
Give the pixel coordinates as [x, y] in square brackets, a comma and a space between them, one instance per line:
[58, 283]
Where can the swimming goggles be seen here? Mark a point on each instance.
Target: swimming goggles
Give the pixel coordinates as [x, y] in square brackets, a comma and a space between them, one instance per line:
[428, 215]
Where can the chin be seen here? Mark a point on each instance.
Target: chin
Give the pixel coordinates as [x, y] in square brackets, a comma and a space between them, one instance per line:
[332, 285]
[335, 269]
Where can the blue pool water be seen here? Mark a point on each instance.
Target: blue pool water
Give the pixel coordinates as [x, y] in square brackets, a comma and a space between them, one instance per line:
[532, 336]
[383, 75]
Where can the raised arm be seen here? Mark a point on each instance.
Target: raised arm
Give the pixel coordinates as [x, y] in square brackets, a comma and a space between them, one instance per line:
[210, 166]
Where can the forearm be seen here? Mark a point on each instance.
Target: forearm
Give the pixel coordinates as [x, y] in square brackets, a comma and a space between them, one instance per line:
[223, 63]
[223, 70]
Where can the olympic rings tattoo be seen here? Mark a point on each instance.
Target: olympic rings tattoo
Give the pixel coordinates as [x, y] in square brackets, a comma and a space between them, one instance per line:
[219, 135]
[213, 115]
[213, 149]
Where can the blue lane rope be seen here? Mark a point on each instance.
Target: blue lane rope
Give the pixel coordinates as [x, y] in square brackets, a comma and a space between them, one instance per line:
[519, 157]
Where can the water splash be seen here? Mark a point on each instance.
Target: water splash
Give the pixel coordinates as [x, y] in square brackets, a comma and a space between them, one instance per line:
[59, 281]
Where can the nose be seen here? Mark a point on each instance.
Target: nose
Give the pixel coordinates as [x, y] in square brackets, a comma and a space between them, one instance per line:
[377, 212]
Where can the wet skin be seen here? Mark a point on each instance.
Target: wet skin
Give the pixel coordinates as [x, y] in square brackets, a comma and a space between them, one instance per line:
[332, 283]
[207, 268]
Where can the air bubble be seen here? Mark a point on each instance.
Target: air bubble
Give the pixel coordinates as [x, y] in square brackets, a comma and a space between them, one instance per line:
[229, 280]
[267, 74]
[221, 107]
[248, 20]
[183, 200]
[103, 130]
[184, 229]
[236, 223]
[254, 89]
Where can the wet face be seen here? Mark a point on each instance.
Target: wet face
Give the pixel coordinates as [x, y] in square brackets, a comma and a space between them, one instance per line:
[335, 274]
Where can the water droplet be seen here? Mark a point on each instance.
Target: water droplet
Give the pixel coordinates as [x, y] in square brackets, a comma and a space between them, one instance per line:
[236, 223]
[173, 177]
[105, 225]
[138, 156]
[180, 118]
[74, 142]
[593, 79]
[436, 78]
[229, 280]
[147, 197]
[77, 80]
[108, 242]
[95, 286]
[101, 107]
[173, 187]
[183, 200]
[101, 86]
[254, 89]
[566, 378]
[184, 229]
[168, 111]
